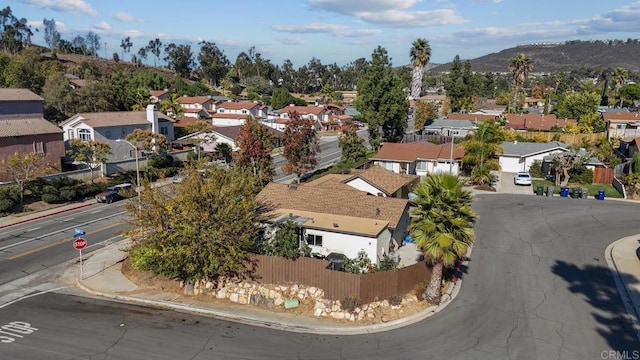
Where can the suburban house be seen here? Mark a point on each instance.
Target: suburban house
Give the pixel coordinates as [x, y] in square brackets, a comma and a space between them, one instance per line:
[623, 125]
[318, 114]
[23, 129]
[232, 113]
[419, 158]
[537, 122]
[339, 219]
[156, 96]
[518, 156]
[110, 126]
[197, 106]
[456, 128]
[475, 118]
[229, 134]
[376, 181]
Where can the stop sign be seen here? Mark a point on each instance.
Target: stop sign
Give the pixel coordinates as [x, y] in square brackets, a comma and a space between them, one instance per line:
[79, 243]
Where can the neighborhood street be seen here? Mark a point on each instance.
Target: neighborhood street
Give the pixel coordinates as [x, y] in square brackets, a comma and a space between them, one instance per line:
[537, 287]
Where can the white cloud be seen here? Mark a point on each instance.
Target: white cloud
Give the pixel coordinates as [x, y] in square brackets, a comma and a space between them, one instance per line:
[123, 17]
[292, 41]
[325, 28]
[102, 26]
[70, 6]
[354, 7]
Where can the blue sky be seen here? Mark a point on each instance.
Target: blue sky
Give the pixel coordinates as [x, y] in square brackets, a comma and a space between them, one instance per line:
[337, 31]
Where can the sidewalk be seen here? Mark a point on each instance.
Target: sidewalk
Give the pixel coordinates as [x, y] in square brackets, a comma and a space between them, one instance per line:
[102, 276]
[622, 257]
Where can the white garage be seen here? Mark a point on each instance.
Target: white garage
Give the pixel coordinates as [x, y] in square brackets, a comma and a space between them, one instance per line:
[518, 156]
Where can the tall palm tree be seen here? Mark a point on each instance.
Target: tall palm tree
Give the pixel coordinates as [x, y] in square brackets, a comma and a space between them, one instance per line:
[442, 225]
[420, 56]
[619, 77]
[483, 145]
[519, 67]
[171, 105]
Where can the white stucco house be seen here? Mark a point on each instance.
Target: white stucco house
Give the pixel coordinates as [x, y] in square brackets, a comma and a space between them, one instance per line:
[457, 128]
[336, 218]
[232, 113]
[419, 158]
[518, 156]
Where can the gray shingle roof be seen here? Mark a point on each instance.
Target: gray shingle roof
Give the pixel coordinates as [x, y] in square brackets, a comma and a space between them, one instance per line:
[10, 94]
[440, 123]
[27, 126]
[529, 148]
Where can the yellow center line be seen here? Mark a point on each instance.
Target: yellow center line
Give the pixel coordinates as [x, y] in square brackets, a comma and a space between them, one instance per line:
[46, 246]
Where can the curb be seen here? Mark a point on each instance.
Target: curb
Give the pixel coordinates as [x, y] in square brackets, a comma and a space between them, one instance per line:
[44, 215]
[632, 314]
[447, 297]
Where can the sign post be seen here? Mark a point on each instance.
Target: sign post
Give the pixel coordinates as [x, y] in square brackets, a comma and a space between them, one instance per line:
[79, 244]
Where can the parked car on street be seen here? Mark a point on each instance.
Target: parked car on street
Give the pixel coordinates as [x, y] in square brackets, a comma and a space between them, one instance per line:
[114, 193]
[522, 178]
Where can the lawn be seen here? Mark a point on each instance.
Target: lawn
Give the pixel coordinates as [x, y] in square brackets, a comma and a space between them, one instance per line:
[609, 190]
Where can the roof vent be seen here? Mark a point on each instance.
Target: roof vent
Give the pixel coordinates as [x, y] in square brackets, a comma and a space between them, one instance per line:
[335, 225]
[293, 187]
[377, 211]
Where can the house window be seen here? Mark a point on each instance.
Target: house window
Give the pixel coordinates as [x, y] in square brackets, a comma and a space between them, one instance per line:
[387, 165]
[38, 147]
[221, 111]
[71, 134]
[421, 165]
[621, 126]
[314, 240]
[244, 111]
[84, 134]
[164, 130]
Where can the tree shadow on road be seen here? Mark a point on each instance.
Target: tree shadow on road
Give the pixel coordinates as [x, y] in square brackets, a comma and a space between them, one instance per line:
[596, 285]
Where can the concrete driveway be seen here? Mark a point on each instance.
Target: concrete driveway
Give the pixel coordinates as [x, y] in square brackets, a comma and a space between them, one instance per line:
[505, 185]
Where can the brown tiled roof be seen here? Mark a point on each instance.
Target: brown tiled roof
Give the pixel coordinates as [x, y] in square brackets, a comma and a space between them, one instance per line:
[536, 122]
[302, 110]
[238, 105]
[117, 118]
[10, 94]
[81, 82]
[193, 99]
[409, 152]
[184, 121]
[157, 93]
[330, 180]
[383, 179]
[338, 200]
[621, 116]
[27, 126]
[231, 116]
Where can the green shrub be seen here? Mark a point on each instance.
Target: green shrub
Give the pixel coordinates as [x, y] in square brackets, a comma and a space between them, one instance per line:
[89, 190]
[63, 182]
[68, 193]
[50, 190]
[6, 205]
[35, 187]
[536, 169]
[160, 161]
[11, 192]
[581, 175]
[350, 304]
[51, 198]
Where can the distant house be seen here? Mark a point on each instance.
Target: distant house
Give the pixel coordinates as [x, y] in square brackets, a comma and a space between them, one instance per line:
[317, 114]
[229, 135]
[197, 106]
[474, 118]
[110, 126]
[518, 156]
[376, 181]
[623, 125]
[537, 122]
[24, 130]
[419, 158]
[232, 113]
[339, 219]
[157, 96]
[456, 128]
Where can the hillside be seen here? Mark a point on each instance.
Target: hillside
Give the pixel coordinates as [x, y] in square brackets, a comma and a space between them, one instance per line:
[573, 55]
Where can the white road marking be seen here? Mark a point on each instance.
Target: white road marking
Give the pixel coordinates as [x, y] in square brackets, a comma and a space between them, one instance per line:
[35, 228]
[96, 211]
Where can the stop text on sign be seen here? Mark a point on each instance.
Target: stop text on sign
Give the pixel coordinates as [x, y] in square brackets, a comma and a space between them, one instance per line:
[15, 329]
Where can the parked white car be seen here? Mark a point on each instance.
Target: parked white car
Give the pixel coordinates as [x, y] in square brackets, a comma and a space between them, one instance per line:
[522, 178]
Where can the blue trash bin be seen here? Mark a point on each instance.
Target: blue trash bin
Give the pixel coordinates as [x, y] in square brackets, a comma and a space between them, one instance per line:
[564, 191]
[600, 194]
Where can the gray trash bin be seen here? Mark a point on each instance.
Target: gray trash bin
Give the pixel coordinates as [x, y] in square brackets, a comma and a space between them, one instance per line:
[550, 191]
[585, 193]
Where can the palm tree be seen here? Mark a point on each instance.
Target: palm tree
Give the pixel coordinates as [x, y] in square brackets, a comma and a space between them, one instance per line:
[519, 67]
[483, 145]
[442, 225]
[619, 77]
[420, 56]
[172, 106]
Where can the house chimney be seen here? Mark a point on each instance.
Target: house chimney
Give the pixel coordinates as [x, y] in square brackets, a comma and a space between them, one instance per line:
[152, 117]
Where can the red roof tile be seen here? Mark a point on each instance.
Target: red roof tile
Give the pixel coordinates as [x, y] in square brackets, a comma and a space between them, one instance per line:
[409, 152]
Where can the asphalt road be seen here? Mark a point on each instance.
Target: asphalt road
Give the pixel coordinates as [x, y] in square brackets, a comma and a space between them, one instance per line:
[537, 287]
[30, 247]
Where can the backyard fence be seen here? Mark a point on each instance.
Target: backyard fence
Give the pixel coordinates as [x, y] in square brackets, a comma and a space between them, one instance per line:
[569, 139]
[338, 285]
[603, 175]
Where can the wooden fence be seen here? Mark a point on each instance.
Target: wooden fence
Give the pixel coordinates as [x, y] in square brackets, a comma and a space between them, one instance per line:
[569, 139]
[603, 175]
[337, 284]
